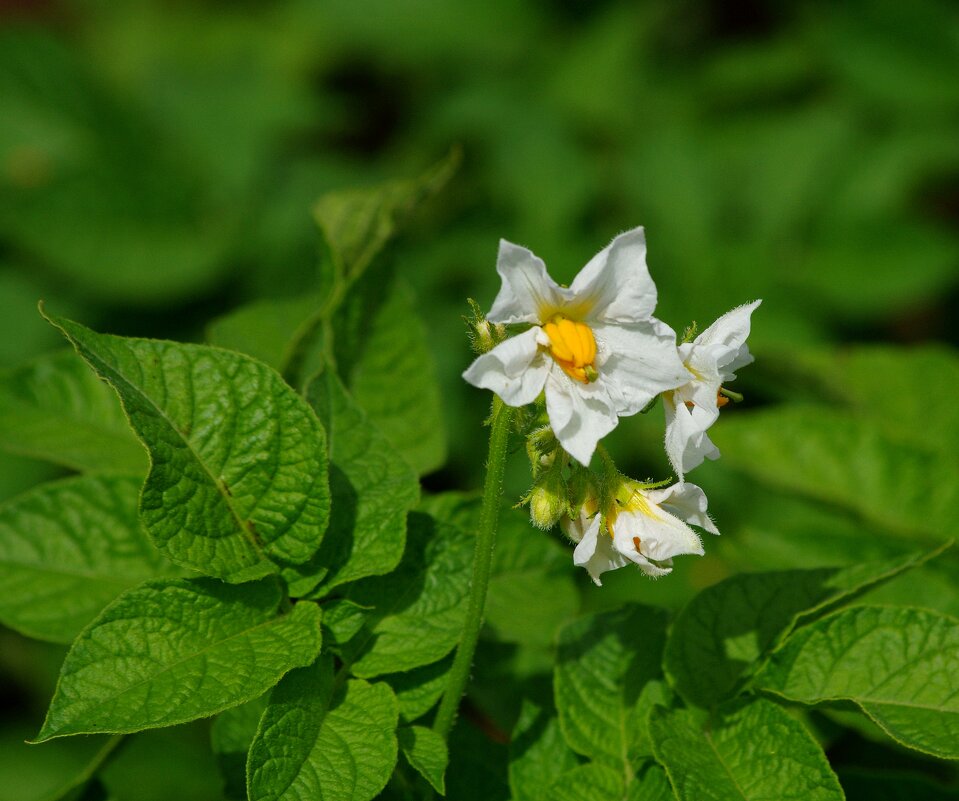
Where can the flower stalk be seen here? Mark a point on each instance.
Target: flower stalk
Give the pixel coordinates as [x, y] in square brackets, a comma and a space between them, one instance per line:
[500, 419]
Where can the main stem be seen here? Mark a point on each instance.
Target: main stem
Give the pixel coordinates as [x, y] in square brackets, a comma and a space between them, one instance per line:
[482, 559]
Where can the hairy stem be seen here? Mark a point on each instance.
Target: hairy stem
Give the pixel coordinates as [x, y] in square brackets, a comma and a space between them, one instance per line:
[482, 558]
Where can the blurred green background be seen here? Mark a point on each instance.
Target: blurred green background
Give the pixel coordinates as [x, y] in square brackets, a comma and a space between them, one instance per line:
[159, 160]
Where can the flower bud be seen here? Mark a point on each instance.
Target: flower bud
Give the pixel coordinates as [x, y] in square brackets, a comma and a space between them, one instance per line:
[547, 500]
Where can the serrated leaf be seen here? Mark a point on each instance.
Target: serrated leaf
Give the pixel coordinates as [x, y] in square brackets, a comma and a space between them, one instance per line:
[726, 628]
[419, 689]
[172, 651]
[230, 737]
[393, 379]
[54, 408]
[603, 663]
[320, 739]
[372, 490]
[357, 223]
[538, 754]
[418, 609]
[901, 665]
[753, 751]
[69, 548]
[591, 782]
[843, 460]
[238, 469]
[426, 752]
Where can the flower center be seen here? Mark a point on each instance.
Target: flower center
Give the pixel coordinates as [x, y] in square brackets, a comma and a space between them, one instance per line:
[573, 346]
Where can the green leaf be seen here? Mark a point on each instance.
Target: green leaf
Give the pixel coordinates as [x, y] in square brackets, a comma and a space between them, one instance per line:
[604, 662]
[591, 782]
[393, 379]
[843, 460]
[54, 408]
[238, 469]
[342, 621]
[418, 609]
[357, 223]
[417, 690]
[230, 737]
[901, 665]
[69, 548]
[726, 628]
[651, 785]
[538, 754]
[754, 751]
[172, 651]
[372, 490]
[320, 738]
[426, 752]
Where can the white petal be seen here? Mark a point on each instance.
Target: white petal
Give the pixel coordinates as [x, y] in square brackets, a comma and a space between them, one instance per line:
[515, 369]
[579, 414]
[661, 536]
[725, 339]
[527, 292]
[616, 281]
[687, 443]
[595, 551]
[639, 361]
[687, 502]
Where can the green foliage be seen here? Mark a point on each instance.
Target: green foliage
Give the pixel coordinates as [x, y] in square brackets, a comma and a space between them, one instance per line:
[539, 756]
[752, 751]
[238, 463]
[206, 644]
[730, 625]
[426, 751]
[54, 408]
[69, 548]
[323, 738]
[603, 663]
[896, 663]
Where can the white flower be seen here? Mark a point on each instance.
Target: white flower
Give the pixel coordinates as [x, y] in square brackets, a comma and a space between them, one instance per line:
[594, 347]
[710, 361]
[647, 530]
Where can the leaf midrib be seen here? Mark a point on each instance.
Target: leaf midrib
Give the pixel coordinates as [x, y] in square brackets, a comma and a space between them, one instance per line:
[93, 358]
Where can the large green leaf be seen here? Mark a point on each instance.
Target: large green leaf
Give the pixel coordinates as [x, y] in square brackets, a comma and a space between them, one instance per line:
[323, 739]
[725, 629]
[538, 754]
[69, 548]
[417, 610]
[238, 469]
[54, 408]
[417, 690]
[839, 459]
[603, 664]
[172, 651]
[755, 752]
[901, 665]
[372, 490]
[393, 377]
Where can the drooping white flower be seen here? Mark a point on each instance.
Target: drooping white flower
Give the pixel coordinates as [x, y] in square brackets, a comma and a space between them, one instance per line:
[711, 360]
[594, 347]
[648, 530]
